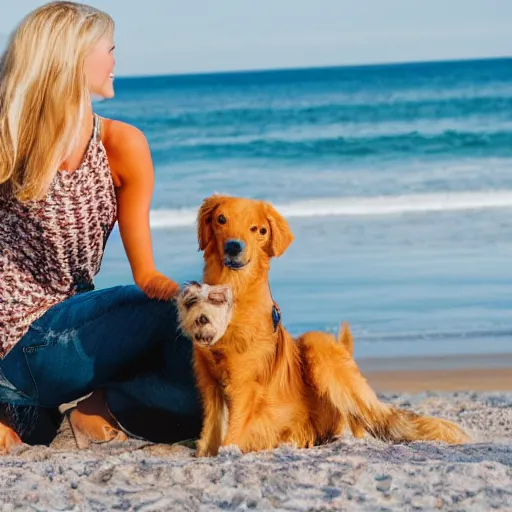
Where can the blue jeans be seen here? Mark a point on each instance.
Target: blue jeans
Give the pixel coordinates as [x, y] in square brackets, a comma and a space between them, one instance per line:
[118, 340]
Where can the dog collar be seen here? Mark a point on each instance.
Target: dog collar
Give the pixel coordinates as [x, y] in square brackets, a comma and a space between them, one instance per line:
[276, 316]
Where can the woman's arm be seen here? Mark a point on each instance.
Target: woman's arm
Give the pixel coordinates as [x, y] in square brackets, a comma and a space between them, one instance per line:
[132, 170]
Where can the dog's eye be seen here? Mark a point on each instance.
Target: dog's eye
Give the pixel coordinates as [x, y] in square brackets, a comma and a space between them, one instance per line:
[221, 219]
[254, 228]
[217, 298]
[263, 231]
[188, 303]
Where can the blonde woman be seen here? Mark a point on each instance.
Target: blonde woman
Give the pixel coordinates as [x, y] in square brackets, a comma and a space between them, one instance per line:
[66, 176]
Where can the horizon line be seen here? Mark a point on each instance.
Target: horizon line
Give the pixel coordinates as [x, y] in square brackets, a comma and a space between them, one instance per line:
[397, 63]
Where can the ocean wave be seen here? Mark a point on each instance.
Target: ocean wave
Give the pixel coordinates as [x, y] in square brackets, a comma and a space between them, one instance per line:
[476, 334]
[471, 125]
[167, 118]
[497, 143]
[360, 206]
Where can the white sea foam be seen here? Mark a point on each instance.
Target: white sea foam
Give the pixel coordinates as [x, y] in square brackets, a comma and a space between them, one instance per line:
[360, 206]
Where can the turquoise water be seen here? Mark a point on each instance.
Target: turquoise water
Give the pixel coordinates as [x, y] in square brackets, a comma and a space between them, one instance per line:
[396, 180]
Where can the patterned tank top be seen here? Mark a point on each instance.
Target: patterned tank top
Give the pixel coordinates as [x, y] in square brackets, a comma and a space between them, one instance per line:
[52, 249]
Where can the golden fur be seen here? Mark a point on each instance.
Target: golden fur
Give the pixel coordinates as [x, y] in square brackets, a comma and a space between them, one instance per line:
[261, 388]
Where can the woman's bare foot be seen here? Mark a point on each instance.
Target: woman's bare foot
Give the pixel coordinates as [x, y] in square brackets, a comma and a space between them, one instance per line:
[92, 421]
[8, 439]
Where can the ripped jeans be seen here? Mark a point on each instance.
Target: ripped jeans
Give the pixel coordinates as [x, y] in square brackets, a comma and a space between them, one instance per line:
[118, 340]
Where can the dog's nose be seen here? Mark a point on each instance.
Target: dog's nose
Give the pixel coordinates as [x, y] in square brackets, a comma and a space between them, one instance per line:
[233, 248]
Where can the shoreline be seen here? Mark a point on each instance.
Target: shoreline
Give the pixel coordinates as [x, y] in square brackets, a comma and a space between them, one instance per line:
[486, 372]
[498, 379]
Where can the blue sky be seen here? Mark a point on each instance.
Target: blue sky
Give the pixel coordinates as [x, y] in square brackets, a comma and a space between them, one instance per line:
[158, 37]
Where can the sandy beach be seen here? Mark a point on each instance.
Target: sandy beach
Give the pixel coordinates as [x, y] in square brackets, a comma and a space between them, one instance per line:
[347, 474]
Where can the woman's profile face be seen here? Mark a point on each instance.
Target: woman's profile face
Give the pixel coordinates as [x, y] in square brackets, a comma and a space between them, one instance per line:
[99, 68]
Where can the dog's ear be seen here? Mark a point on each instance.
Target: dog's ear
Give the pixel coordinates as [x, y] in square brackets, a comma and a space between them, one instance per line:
[281, 235]
[204, 219]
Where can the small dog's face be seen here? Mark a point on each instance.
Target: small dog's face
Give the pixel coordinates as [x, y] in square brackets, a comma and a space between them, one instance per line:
[243, 233]
[204, 312]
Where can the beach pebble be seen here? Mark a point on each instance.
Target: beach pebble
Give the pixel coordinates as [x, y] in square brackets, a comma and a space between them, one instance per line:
[439, 504]
[383, 482]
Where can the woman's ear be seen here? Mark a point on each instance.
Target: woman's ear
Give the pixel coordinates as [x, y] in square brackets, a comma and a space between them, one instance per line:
[281, 235]
[204, 219]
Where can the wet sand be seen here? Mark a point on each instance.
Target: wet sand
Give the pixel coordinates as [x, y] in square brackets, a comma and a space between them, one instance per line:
[451, 373]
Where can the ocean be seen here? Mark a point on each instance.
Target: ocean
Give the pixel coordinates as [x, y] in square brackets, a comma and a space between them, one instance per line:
[396, 181]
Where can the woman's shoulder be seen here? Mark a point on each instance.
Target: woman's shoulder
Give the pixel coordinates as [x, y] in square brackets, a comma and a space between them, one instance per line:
[127, 148]
[117, 135]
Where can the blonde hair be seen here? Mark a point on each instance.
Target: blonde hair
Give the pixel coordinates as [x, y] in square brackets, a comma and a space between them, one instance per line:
[44, 94]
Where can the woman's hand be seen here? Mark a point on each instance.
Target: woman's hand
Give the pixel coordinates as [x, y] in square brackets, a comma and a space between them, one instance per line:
[158, 286]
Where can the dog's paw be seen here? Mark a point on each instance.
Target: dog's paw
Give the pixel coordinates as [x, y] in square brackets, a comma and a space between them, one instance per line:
[205, 312]
[206, 451]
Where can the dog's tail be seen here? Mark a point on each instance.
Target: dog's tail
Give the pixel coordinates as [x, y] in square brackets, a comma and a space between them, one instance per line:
[345, 338]
[398, 425]
[337, 378]
[353, 397]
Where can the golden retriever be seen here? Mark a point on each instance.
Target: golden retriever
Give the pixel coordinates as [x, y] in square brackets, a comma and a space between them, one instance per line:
[259, 386]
